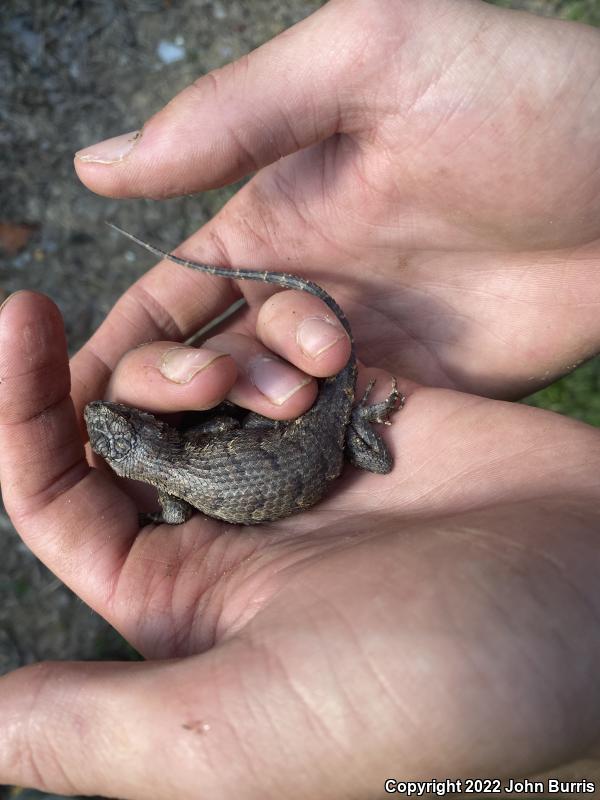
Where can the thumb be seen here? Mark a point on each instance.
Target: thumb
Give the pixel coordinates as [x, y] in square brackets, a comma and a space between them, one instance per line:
[216, 725]
[278, 99]
[130, 730]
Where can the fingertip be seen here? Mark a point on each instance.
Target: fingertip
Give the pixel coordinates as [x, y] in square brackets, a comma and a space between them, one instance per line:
[34, 368]
[110, 151]
[226, 124]
[165, 377]
[265, 384]
[24, 301]
[111, 168]
[170, 156]
[303, 330]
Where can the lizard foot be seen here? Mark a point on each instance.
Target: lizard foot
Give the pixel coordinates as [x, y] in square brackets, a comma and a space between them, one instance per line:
[365, 448]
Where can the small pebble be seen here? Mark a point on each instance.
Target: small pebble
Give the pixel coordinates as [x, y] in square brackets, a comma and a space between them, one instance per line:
[169, 52]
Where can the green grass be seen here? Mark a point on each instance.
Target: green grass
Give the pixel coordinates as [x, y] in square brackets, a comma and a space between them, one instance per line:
[577, 394]
[581, 11]
[587, 11]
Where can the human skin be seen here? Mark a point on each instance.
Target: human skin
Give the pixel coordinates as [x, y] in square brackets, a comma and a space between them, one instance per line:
[440, 621]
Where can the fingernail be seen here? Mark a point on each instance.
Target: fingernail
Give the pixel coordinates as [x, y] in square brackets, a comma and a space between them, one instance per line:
[180, 364]
[274, 379]
[315, 335]
[110, 151]
[9, 297]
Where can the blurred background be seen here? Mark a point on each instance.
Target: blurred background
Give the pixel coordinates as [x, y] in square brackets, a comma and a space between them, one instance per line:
[73, 73]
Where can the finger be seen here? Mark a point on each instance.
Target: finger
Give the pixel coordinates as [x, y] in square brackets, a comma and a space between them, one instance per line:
[164, 377]
[173, 302]
[265, 384]
[153, 730]
[100, 715]
[68, 514]
[167, 303]
[301, 329]
[236, 119]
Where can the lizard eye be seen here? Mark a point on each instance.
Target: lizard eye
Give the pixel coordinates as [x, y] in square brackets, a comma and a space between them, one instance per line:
[120, 446]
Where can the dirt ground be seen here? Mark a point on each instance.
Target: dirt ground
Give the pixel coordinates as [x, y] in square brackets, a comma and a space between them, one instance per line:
[74, 73]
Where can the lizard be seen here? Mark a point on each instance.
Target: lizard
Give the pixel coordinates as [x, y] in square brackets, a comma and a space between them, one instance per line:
[251, 469]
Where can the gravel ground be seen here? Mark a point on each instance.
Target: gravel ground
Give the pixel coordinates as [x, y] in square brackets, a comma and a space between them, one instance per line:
[74, 73]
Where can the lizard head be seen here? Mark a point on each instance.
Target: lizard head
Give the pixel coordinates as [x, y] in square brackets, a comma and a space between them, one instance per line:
[115, 431]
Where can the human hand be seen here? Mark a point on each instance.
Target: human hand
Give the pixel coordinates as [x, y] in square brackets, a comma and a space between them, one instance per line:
[376, 630]
[442, 180]
[438, 621]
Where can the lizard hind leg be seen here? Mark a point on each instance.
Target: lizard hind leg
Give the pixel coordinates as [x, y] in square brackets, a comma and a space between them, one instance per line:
[365, 448]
